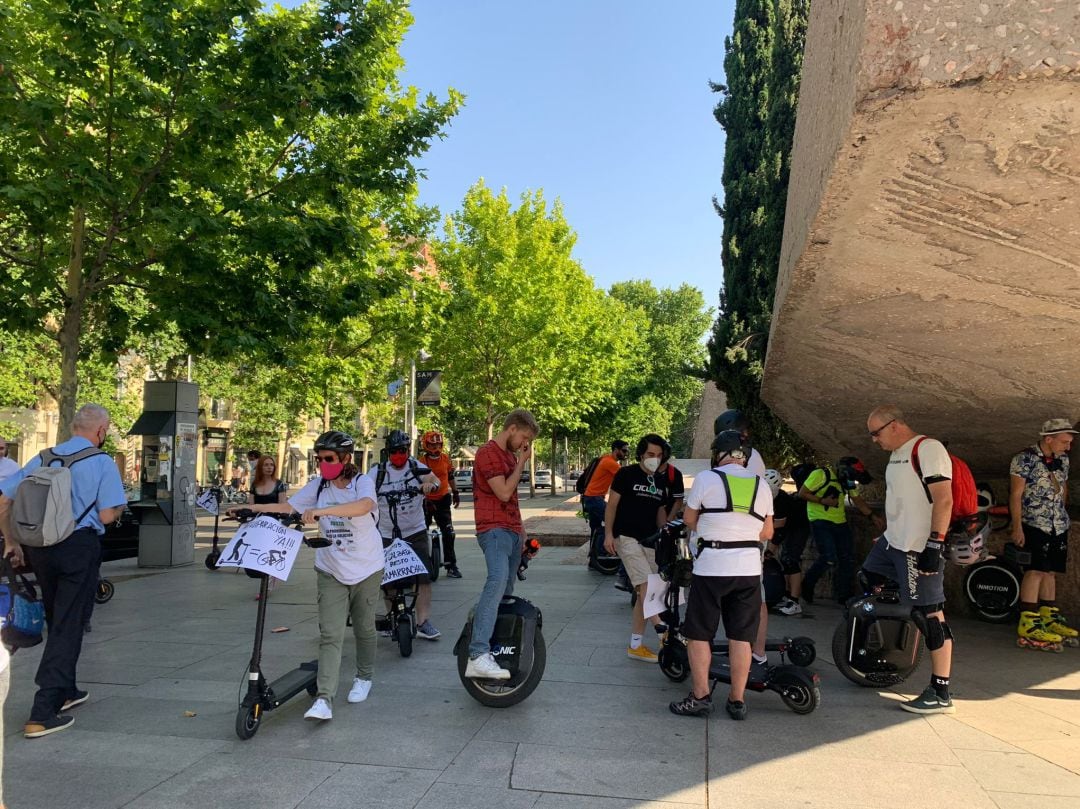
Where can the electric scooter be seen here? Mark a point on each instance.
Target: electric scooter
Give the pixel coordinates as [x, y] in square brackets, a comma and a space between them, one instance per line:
[215, 554]
[796, 685]
[517, 644]
[261, 696]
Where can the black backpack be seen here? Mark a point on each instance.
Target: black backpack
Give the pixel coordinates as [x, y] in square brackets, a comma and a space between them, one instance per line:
[583, 481]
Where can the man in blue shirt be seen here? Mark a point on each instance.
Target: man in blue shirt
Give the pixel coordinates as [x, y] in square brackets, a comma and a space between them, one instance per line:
[67, 571]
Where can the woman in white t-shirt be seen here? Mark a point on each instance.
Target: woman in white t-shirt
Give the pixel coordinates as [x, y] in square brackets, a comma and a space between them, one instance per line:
[348, 570]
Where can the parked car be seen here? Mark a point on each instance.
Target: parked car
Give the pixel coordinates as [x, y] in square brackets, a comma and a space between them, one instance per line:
[524, 476]
[463, 480]
[543, 478]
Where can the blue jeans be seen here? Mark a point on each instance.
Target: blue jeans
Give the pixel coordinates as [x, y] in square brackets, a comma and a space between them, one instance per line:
[594, 508]
[836, 549]
[502, 552]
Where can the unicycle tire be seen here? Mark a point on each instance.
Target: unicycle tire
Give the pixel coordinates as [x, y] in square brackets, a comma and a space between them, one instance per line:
[869, 679]
[993, 591]
[248, 719]
[436, 561]
[498, 693]
[404, 635]
[104, 592]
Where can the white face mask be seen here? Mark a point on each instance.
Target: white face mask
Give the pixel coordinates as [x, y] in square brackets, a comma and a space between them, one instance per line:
[651, 464]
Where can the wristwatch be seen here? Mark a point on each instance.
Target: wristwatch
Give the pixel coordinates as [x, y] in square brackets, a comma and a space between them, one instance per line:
[936, 535]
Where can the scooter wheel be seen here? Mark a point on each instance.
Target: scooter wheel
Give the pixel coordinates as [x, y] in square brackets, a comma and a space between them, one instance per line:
[673, 664]
[797, 689]
[404, 635]
[212, 560]
[248, 719]
[801, 651]
[105, 591]
[436, 562]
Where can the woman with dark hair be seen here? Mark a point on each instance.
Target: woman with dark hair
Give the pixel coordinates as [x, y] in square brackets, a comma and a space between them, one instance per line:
[348, 570]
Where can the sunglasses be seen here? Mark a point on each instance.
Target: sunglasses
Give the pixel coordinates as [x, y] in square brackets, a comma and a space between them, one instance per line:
[877, 432]
[328, 458]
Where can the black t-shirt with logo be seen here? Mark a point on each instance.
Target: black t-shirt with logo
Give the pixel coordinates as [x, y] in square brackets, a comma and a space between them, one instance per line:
[640, 497]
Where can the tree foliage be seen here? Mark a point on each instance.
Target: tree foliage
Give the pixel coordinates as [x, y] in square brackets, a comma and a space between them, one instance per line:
[525, 325]
[208, 156]
[762, 64]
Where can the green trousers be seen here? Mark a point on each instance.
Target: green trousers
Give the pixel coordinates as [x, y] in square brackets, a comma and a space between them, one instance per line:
[337, 602]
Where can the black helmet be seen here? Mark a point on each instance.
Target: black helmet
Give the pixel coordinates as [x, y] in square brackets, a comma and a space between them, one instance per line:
[335, 441]
[397, 440]
[730, 442]
[852, 471]
[731, 420]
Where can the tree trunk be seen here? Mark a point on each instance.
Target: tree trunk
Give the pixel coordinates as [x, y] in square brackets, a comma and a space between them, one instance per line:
[71, 327]
[553, 465]
[326, 407]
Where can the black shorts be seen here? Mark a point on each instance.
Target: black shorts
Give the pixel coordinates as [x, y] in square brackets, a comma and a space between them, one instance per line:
[791, 552]
[1049, 552]
[420, 542]
[916, 589]
[737, 599]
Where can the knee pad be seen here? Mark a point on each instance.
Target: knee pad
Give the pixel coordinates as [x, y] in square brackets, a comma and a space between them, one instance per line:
[933, 628]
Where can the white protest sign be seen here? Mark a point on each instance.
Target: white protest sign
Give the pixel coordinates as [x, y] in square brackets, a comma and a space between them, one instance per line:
[401, 562]
[264, 545]
[207, 501]
[655, 593]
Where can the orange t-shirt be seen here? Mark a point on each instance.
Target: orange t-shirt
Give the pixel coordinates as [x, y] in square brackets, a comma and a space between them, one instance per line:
[443, 469]
[602, 476]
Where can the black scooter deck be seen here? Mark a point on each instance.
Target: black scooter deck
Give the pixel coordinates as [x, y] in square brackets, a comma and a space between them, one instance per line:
[293, 682]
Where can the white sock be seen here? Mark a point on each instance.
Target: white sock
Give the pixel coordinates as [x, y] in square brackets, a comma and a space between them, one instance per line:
[635, 641]
[762, 659]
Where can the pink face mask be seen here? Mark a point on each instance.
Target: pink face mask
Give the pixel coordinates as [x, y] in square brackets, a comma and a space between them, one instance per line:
[330, 471]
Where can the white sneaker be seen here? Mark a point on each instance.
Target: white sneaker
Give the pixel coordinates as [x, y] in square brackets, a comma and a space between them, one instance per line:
[320, 709]
[789, 607]
[360, 690]
[484, 667]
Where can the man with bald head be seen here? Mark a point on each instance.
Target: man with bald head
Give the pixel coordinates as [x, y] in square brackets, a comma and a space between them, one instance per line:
[67, 571]
[918, 507]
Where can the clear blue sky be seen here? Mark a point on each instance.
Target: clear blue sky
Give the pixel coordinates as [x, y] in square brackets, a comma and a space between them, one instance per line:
[604, 104]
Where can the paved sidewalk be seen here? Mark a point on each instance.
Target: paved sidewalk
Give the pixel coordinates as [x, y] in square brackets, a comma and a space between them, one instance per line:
[596, 733]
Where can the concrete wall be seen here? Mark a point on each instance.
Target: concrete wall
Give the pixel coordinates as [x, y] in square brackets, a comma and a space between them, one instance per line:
[931, 250]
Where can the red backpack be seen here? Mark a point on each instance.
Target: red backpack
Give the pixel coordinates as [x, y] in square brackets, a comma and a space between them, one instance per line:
[965, 495]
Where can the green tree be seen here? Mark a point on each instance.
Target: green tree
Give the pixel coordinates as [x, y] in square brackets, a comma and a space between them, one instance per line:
[763, 63]
[525, 325]
[674, 323]
[208, 155]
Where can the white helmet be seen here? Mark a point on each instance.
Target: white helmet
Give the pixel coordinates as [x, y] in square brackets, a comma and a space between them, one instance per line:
[772, 477]
[986, 496]
[967, 544]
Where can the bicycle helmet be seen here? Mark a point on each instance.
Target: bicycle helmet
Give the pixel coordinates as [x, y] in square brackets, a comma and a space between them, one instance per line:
[731, 420]
[397, 440]
[772, 477]
[967, 545]
[985, 496]
[730, 443]
[432, 441]
[852, 471]
[335, 441]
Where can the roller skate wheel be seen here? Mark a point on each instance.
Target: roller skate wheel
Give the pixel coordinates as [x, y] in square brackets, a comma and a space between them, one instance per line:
[1073, 642]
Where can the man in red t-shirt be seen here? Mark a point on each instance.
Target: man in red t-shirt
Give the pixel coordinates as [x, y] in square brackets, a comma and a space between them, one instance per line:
[496, 474]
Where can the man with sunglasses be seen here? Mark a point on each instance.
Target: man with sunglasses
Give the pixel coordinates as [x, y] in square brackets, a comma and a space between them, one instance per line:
[1038, 495]
[918, 509]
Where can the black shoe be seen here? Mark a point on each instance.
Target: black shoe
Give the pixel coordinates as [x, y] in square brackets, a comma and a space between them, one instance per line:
[78, 699]
[34, 730]
[453, 572]
[736, 710]
[692, 706]
[623, 584]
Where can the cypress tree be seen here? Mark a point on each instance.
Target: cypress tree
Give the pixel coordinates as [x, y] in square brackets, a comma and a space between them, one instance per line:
[762, 64]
